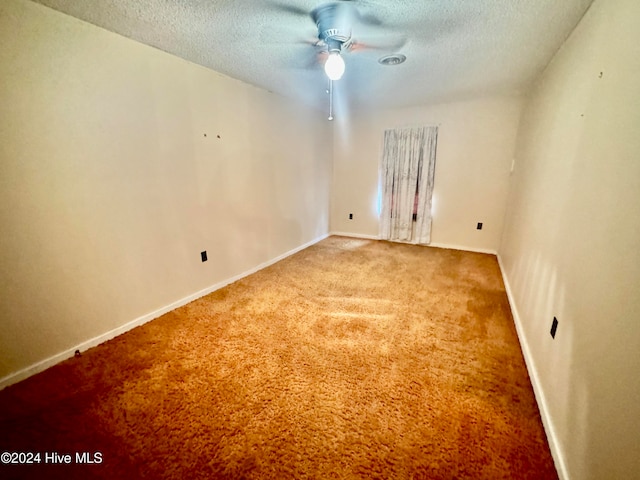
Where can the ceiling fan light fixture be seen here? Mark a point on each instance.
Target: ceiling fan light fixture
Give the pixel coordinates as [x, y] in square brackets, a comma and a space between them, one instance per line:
[334, 66]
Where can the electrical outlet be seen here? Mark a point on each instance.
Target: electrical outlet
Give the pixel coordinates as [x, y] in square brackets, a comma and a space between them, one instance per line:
[479, 226]
[203, 255]
[554, 327]
[351, 216]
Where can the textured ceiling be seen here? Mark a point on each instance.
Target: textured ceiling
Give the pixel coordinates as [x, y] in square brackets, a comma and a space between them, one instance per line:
[454, 48]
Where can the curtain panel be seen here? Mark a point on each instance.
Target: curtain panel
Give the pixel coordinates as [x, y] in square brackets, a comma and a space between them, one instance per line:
[407, 175]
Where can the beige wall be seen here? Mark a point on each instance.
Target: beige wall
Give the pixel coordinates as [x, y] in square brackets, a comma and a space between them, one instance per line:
[109, 190]
[113, 180]
[571, 247]
[476, 143]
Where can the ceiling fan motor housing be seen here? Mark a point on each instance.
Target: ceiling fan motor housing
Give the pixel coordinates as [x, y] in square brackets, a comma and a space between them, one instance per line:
[331, 27]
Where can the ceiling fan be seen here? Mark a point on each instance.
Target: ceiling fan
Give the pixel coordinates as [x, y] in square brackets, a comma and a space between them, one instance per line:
[335, 22]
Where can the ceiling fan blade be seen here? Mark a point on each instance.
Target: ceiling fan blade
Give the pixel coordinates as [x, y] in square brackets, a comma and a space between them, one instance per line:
[381, 42]
[368, 19]
[314, 63]
[279, 41]
[284, 7]
[298, 57]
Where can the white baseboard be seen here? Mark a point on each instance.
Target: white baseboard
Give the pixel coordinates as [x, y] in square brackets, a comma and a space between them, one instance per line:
[462, 247]
[436, 245]
[552, 438]
[356, 235]
[59, 357]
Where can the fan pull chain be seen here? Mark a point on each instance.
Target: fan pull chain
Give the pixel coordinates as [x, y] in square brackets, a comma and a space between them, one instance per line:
[330, 100]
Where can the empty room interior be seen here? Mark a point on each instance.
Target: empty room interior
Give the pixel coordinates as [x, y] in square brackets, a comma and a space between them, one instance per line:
[202, 274]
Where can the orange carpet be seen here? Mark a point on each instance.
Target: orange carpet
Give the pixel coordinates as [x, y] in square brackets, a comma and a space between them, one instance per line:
[350, 359]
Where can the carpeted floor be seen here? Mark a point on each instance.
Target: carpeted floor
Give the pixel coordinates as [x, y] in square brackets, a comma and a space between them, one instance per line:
[350, 359]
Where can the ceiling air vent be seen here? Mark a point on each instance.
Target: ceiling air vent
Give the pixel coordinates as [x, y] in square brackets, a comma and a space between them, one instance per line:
[395, 59]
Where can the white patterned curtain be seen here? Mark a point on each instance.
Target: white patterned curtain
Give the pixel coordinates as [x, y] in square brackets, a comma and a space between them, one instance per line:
[408, 166]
